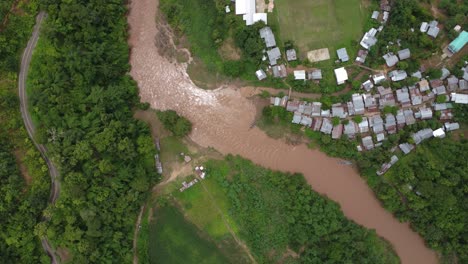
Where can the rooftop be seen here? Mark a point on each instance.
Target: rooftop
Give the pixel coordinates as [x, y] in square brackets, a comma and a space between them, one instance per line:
[267, 35]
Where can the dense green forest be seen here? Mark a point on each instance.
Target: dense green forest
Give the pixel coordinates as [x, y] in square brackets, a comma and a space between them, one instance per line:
[82, 97]
[23, 194]
[276, 211]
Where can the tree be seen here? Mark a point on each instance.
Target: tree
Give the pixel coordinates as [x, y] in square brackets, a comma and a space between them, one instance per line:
[178, 125]
[335, 121]
[357, 119]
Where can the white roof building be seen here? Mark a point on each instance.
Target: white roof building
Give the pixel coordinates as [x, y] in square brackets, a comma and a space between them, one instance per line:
[341, 75]
[300, 75]
[246, 8]
[460, 98]
[424, 27]
[260, 74]
[439, 133]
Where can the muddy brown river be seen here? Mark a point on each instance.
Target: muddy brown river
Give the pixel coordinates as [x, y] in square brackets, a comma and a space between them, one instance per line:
[222, 120]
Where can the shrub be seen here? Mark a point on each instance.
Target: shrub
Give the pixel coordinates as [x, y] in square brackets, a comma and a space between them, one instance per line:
[178, 125]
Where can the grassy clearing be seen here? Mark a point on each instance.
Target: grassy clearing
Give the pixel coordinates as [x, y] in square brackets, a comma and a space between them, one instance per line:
[175, 240]
[320, 23]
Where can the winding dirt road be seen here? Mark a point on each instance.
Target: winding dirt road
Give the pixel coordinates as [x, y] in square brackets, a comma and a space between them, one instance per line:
[222, 120]
[25, 62]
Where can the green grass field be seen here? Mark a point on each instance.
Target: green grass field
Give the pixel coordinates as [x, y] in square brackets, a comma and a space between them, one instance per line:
[174, 240]
[313, 24]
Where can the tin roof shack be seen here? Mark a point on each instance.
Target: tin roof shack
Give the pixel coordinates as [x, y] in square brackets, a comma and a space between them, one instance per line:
[400, 119]
[387, 100]
[459, 98]
[341, 75]
[297, 118]
[386, 166]
[433, 29]
[417, 74]
[292, 106]
[375, 15]
[325, 113]
[390, 124]
[445, 73]
[463, 85]
[339, 111]
[300, 75]
[316, 123]
[301, 108]
[452, 83]
[350, 129]
[369, 39]
[315, 75]
[306, 121]
[364, 125]
[409, 117]
[367, 85]
[159, 168]
[397, 75]
[327, 126]
[279, 71]
[276, 101]
[424, 113]
[370, 102]
[267, 35]
[451, 126]
[423, 85]
[379, 137]
[284, 101]
[403, 97]
[358, 104]
[421, 135]
[274, 55]
[446, 115]
[404, 54]
[350, 107]
[361, 56]
[439, 133]
[367, 143]
[376, 122]
[378, 78]
[390, 59]
[416, 97]
[261, 75]
[337, 131]
[342, 55]
[291, 55]
[424, 27]
[316, 107]
[406, 148]
[308, 109]
[439, 90]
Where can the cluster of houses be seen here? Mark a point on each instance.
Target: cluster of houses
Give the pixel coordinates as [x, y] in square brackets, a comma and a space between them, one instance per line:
[414, 103]
[431, 28]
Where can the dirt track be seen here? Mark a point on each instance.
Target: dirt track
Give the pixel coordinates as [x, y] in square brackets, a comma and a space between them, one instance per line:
[222, 120]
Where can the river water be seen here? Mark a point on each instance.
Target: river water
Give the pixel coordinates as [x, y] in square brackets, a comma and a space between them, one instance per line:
[222, 119]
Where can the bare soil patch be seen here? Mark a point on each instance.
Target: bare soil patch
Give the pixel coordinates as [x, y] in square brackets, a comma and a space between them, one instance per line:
[229, 51]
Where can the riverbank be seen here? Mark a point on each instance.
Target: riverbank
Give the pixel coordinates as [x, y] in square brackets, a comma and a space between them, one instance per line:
[222, 119]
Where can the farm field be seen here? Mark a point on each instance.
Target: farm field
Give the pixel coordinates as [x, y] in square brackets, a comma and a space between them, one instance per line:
[172, 239]
[320, 23]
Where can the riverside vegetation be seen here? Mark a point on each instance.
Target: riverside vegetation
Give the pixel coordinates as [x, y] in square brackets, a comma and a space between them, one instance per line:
[82, 98]
[24, 181]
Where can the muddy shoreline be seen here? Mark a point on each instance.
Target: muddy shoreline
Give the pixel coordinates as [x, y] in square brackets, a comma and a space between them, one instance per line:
[222, 119]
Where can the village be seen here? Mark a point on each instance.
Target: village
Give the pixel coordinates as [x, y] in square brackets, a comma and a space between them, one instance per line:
[377, 111]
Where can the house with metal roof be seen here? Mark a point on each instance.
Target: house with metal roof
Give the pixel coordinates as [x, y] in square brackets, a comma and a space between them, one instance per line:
[291, 55]
[462, 84]
[316, 108]
[390, 59]
[247, 9]
[341, 75]
[452, 83]
[364, 125]
[327, 126]
[457, 44]
[390, 124]
[308, 109]
[369, 39]
[387, 100]
[350, 108]
[300, 75]
[297, 117]
[406, 147]
[279, 71]
[325, 113]
[361, 56]
[358, 104]
[445, 73]
[465, 73]
[342, 54]
[404, 54]
[377, 124]
[306, 121]
[261, 75]
[267, 35]
[397, 75]
[337, 131]
[423, 85]
[380, 137]
[416, 96]
[409, 117]
[370, 102]
[350, 129]
[292, 106]
[315, 74]
[421, 135]
[316, 123]
[368, 143]
[433, 29]
[386, 14]
[439, 90]
[375, 15]
[425, 113]
[367, 85]
[451, 126]
[339, 111]
[274, 55]
[403, 97]
[400, 119]
[424, 27]
[417, 74]
[459, 98]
